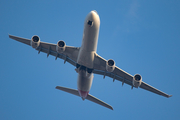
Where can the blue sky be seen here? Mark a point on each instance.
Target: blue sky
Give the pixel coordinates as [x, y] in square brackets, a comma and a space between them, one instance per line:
[141, 36]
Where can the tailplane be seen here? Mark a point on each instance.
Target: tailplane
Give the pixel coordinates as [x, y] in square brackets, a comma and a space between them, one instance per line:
[89, 97]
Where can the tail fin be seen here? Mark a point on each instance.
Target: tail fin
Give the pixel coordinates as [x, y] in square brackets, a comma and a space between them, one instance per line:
[89, 97]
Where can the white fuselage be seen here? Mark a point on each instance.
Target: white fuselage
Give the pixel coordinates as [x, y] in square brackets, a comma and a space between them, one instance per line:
[86, 54]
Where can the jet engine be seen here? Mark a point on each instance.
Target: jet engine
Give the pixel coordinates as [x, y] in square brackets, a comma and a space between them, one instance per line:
[35, 41]
[61, 46]
[137, 79]
[110, 65]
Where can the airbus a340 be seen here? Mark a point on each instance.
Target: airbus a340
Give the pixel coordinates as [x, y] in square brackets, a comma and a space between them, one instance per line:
[87, 61]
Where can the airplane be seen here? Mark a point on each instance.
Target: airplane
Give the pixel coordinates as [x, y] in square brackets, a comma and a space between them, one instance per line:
[87, 62]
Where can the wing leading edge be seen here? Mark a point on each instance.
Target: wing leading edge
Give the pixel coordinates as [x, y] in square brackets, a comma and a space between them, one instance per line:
[120, 75]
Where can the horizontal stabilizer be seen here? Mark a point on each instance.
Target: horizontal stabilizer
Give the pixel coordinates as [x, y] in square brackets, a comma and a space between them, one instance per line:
[96, 100]
[72, 91]
[89, 97]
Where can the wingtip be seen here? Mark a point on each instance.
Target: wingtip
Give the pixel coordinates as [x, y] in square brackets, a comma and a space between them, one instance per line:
[10, 36]
[169, 96]
[110, 107]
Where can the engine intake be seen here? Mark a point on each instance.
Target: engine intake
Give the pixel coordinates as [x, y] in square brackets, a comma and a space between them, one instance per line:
[110, 65]
[137, 79]
[35, 41]
[61, 46]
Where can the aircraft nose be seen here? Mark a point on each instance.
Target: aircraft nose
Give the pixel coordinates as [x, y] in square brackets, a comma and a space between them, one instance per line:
[93, 18]
[93, 14]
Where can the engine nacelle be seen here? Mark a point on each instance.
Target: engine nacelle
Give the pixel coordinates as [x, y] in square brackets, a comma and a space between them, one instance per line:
[35, 41]
[61, 46]
[110, 65]
[137, 79]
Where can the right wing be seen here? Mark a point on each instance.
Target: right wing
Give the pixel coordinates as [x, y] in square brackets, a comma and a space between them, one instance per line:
[70, 54]
[120, 75]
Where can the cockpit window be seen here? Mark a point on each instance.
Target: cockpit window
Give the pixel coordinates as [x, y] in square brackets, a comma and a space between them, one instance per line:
[90, 23]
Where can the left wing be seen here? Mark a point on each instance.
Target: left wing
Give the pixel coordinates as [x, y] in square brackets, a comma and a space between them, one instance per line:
[119, 74]
[70, 54]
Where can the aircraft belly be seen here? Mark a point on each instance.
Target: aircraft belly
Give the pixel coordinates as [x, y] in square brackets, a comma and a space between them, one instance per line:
[89, 41]
[84, 82]
[86, 59]
[87, 50]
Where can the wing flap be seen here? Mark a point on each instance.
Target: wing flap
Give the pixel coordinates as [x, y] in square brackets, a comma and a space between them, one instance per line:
[114, 76]
[70, 54]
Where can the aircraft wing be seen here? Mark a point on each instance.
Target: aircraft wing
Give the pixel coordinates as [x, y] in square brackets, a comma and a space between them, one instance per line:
[120, 75]
[70, 54]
